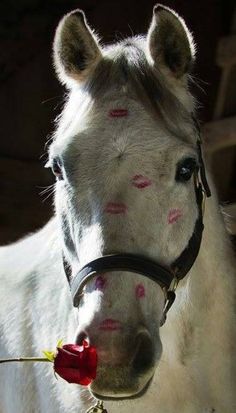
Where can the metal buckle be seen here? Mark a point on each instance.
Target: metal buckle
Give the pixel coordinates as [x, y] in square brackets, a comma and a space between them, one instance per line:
[199, 184]
[203, 201]
[169, 298]
[174, 284]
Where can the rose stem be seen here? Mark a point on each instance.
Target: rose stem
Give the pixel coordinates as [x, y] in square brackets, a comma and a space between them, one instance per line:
[36, 359]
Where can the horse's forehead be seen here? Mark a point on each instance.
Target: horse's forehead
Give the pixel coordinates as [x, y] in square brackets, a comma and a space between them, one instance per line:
[119, 124]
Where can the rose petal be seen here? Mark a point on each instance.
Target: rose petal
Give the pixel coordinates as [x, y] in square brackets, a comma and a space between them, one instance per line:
[73, 348]
[76, 364]
[73, 376]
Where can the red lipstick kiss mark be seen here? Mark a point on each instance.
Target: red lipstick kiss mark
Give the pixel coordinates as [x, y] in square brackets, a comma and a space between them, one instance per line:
[100, 283]
[140, 181]
[115, 208]
[174, 215]
[140, 291]
[110, 325]
[118, 113]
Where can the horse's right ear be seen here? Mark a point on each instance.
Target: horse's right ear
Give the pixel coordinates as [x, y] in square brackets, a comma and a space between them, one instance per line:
[75, 50]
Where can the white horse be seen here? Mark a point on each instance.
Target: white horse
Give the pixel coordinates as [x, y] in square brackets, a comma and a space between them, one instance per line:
[126, 157]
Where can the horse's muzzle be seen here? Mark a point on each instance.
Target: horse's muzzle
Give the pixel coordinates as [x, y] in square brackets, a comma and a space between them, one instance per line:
[125, 372]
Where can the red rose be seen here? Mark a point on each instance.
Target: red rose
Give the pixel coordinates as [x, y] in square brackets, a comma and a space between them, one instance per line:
[76, 364]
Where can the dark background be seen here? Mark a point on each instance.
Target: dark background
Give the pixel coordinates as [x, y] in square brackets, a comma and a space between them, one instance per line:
[31, 97]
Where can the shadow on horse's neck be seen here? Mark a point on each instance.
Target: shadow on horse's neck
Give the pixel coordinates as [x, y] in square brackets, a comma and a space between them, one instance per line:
[205, 300]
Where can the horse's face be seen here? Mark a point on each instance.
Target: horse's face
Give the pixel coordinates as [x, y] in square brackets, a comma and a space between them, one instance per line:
[125, 185]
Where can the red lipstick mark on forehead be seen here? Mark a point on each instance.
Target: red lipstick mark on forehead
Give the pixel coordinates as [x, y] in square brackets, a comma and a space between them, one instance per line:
[140, 181]
[100, 283]
[115, 208]
[174, 215]
[140, 291]
[118, 113]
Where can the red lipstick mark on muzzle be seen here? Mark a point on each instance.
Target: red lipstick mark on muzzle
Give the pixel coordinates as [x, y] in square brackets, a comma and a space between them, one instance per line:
[115, 208]
[174, 215]
[100, 283]
[140, 291]
[110, 325]
[140, 181]
[118, 113]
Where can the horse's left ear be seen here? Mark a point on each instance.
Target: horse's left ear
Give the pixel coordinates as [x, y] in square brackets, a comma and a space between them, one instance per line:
[170, 42]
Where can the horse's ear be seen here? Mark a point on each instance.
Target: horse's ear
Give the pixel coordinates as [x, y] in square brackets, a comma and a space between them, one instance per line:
[76, 49]
[170, 42]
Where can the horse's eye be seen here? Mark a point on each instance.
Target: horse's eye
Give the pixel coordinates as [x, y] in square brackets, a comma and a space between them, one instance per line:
[185, 170]
[56, 168]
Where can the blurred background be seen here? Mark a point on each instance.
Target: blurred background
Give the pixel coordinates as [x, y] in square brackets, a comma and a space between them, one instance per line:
[31, 97]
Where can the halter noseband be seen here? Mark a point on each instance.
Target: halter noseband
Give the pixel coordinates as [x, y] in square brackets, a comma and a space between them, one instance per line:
[166, 278]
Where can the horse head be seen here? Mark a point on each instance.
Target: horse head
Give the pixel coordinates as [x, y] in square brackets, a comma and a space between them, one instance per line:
[125, 156]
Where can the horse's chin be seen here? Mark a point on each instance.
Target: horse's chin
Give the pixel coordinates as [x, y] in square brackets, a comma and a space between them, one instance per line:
[125, 396]
[119, 388]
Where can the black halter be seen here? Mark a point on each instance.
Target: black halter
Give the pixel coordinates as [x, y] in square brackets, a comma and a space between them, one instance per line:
[167, 278]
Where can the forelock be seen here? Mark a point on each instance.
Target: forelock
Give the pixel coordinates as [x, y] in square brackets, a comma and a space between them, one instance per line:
[126, 66]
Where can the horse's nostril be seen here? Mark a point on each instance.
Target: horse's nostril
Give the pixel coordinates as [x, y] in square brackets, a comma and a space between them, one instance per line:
[144, 356]
[80, 337]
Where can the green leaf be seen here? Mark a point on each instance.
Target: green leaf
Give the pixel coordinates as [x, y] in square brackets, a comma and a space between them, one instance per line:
[60, 343]
[50, 355]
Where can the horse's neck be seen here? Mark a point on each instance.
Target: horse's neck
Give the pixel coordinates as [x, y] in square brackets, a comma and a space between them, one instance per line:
[200, 333]
[210, 287]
